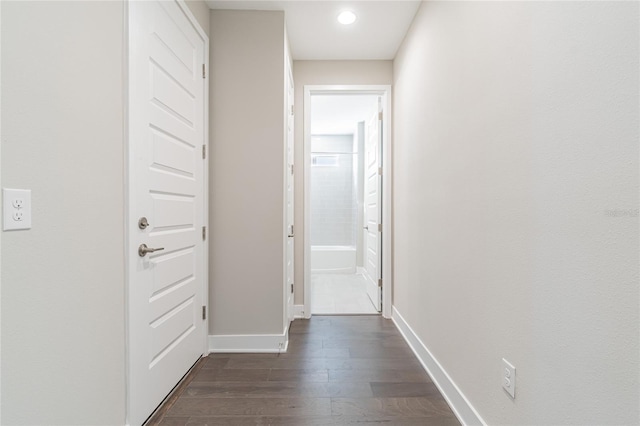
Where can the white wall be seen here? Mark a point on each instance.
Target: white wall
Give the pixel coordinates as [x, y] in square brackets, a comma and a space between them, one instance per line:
[334, 200]
[247, 173]
[516, 203]
[323, 73]
[63, 354]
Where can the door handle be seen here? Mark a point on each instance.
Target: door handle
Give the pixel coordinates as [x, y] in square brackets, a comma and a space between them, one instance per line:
[143, 250]
[365, 227]
[291, 235]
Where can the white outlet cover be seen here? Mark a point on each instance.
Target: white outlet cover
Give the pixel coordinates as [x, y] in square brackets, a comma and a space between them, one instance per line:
[509, 378]
[10, 212]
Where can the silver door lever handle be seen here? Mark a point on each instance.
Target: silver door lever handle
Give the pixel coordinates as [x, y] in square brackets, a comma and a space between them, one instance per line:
[143, 250]
[291, 235]
[365, 227]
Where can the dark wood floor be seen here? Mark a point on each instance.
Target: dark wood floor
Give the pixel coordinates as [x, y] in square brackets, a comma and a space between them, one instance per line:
[338, 370]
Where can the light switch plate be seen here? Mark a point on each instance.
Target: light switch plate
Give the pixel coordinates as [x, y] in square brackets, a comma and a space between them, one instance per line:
[16, 209]
[509, 378]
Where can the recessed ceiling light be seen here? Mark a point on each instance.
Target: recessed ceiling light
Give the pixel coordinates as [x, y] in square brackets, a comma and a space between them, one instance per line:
[347, 17]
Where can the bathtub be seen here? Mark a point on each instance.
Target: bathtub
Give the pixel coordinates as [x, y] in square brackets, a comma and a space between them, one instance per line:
[333, 259]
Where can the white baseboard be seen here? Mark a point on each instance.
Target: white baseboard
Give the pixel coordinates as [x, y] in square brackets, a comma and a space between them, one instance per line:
[298, 311]
[247, 343]
[460, 405]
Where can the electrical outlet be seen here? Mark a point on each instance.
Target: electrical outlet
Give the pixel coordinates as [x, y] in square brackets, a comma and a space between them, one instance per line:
[16, 206]
[509, 378]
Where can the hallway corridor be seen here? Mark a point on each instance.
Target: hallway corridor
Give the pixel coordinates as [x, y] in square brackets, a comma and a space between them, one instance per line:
[338, 370]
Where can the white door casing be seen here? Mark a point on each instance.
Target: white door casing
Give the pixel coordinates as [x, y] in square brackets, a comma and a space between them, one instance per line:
[384, 91]
[372, 208]
[290, 198]
[166, 185]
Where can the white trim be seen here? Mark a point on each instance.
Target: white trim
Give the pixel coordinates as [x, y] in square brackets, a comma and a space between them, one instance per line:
[387, 200]
[360, 270]
[460, 405]
[287, 104]
[306, 250]
[1, 232]
[249, 343]
[387, 161]
[298, 311]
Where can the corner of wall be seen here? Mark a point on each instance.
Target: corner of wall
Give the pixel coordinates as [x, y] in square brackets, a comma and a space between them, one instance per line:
[246, 178]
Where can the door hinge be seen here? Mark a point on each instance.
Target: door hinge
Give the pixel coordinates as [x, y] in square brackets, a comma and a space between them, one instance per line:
[291, 109]
[380, 116]
[204, 312]
[204, 72]
[291, 288]
[379, 227]
[204, 152]
[380, 171]
[204, 233]
[292, 169]
[380, 282]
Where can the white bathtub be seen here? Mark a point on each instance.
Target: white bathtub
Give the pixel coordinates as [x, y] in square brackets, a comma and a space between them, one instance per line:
[333, 259]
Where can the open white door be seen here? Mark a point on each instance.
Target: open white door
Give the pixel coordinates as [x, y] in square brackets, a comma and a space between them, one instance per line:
[290, 193]
[166, 325]
[372, 209]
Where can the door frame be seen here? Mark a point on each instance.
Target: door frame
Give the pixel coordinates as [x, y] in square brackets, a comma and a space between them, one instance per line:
[289, 83]
[128, 171]
[383, 91]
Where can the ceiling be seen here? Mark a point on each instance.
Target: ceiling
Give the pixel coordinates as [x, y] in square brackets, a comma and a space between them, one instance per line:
[339, 114]
[315, 34]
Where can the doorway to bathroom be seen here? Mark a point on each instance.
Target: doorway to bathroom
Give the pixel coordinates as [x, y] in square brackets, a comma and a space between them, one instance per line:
[346, 137]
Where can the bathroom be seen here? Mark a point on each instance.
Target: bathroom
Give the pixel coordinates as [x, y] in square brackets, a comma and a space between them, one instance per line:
[340, 127]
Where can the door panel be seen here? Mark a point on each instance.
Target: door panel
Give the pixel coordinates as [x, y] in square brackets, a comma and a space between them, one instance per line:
[172, 155]
[372, 210]
[170, 328]
[170, 96]
[180, 290]
[171, 211]
[169, 272]
[166, 185]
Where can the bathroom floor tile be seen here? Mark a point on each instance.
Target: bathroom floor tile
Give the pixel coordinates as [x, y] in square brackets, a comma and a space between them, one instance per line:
[340, 294]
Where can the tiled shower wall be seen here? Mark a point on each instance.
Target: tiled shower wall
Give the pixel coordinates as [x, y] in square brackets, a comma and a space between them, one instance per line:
[333, 192]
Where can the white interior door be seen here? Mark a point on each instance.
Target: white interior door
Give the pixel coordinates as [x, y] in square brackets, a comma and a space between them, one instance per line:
[167, 330]
[290, 193]
[372, 211]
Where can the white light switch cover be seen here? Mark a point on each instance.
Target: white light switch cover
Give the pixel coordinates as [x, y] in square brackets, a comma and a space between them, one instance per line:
[16, 209]
[509, 378]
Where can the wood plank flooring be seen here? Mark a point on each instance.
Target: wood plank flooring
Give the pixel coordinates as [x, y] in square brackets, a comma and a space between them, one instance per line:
[338, 370]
